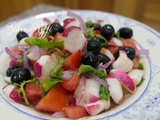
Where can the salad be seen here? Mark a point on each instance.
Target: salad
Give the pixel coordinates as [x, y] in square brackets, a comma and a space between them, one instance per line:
[75, 69]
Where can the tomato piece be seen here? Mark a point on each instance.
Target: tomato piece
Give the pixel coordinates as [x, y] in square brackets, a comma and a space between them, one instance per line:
[57, 53]
[37, 33]
[73, 61]
[129, 42]
[97, 32]
[71, 83]
[59, 37]
[113, 49]
[135, 63]
[33, 92]
[16, 50]
[75, 112]
[55, 100]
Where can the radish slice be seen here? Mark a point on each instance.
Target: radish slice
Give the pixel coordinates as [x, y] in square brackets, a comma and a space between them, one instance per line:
[83, 89]
[126, 81]
[74, 39]
[22, 41]
[97, 107]
[44, 66]
[58, 115]
[14, 62]
[90, 94]
[115, 42]
[115, 89]
[70, 22]
[68, 30]
[79, 18]
[11, 91]
[136, 75]
[123, 62]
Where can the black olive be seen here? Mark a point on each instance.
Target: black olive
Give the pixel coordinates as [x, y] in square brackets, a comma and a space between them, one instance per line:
[90, 58]
[107, 31]
[19, 75]
[104, 59]
[21, 34]
[131, 53]
[94, 44]
[54, 28]
[10, 70]
[96, 26]
[125, 32]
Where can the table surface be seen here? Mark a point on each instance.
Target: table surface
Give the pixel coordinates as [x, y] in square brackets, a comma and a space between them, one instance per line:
[41, 8]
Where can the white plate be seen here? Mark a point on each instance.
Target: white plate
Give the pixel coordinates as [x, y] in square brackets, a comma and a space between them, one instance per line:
[143, 105]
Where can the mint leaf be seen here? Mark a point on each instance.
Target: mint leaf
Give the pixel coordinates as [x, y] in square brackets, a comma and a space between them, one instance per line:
[87, 68]
[88, 24]
[55, 73]
[140, 83]
[48, 83]
[43, 42]
[20, 60]
[90, 33]
[118, 35]
[104, 93]
[140, 66]
[103, 39]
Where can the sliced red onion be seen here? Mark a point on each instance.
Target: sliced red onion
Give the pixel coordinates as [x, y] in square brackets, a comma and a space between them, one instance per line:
[101, 81]
[12, 53]
[23, 47]
[5, 86]
[79, 18]
[58, 115]
[25, 62]
[25, 58]
[83, 78]
[67, 74]
[68, 20]
[47, 20]
[36, 51]
[103, 67]
[142, 52]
